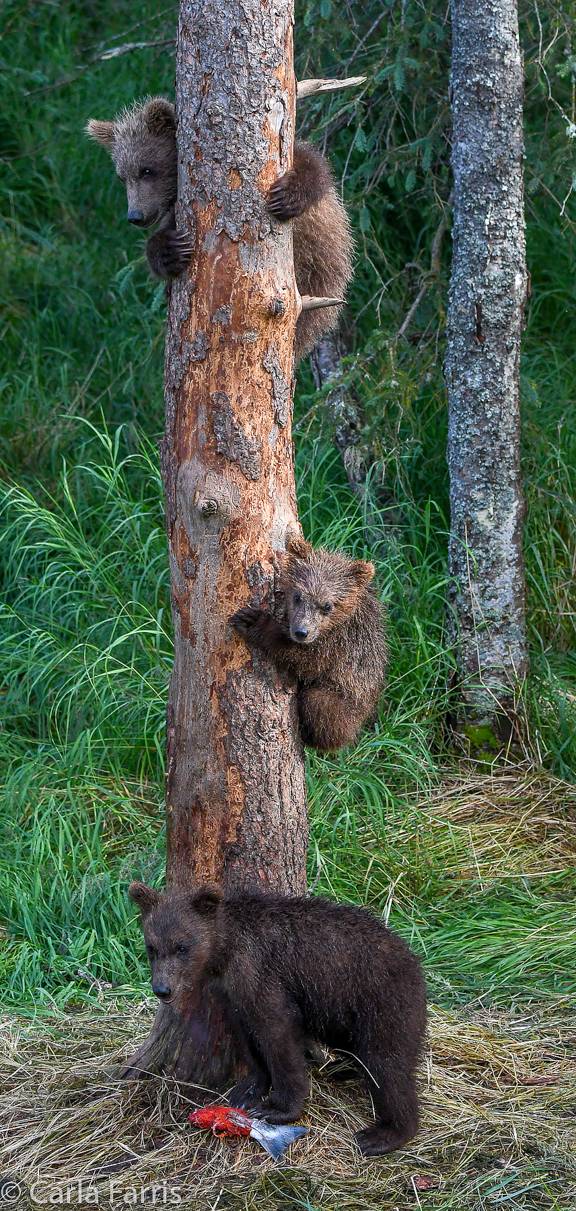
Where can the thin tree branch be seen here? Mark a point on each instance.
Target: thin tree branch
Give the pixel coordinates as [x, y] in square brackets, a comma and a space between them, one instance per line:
[431, 276]
[98, 46]
[113, 53]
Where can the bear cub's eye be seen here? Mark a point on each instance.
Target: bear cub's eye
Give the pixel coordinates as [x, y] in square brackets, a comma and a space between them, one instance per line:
[297, 598]
[181, 950]
[325, 609]
[147, 172]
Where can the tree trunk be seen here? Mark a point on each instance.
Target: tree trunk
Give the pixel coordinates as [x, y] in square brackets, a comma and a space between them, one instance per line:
[485, 320]
[235, 791]
[346, 419]
[379, 511]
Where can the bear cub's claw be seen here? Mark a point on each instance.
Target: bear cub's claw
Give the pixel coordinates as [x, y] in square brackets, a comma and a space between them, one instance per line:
[285, 197]
[244, 619]
[169, 252]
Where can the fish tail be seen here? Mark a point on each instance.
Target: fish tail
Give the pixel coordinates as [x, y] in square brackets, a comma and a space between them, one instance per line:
[276, 1139]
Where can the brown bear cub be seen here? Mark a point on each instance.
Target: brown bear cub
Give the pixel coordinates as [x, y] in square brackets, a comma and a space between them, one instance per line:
[142, 143]
[331, 639]
[287, 970]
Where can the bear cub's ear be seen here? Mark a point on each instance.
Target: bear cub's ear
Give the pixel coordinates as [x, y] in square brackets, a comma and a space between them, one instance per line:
[145, 897]
[363, 572]
[205, 901]
[159, 116]
[299, 547]
[102, 132]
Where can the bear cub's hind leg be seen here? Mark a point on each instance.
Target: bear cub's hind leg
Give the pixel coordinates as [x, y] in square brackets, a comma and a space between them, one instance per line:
[327, 721]
[396, 1106]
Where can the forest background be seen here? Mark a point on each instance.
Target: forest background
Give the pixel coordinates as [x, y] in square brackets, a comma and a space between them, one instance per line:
[474, 865]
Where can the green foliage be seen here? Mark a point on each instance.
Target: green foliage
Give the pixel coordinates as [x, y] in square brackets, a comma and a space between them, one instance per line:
[71, 841]
[76, 297]
[84, 651]
[85, 638]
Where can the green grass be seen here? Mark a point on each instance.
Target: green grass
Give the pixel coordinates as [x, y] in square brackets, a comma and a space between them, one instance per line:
[71, 842]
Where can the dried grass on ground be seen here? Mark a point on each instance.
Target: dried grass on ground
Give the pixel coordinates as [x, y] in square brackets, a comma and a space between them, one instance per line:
[517, 823]
[499, 1123]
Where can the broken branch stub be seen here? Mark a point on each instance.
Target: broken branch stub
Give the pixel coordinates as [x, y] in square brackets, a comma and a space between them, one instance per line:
[310, 88]
[310, 303]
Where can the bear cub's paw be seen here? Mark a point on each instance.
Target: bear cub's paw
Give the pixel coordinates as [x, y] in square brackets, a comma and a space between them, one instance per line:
[248, 1094]
[245, 618]
[169, 252]
[376, 1141]
[286, 199]
[268, 1110]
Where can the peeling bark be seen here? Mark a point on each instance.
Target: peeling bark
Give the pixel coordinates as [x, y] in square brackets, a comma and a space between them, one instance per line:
[235, 791]
[485, 320]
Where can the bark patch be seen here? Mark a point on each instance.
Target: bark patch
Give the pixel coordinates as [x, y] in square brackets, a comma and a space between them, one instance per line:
[231, 441]
[199, 348]
[222, 316]
[280, 388]
[255, 575]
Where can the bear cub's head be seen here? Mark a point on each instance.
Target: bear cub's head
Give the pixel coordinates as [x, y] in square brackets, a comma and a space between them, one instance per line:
[180, 931]
[322, 589]
[142, 143]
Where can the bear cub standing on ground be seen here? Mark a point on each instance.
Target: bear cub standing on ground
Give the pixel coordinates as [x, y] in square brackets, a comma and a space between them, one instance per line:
[142, 143]
[287, 970]
[332, 641]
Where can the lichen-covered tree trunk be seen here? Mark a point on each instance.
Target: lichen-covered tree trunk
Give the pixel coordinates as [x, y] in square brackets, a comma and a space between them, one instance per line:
[485, 320]
[235, 792]
[343, 411]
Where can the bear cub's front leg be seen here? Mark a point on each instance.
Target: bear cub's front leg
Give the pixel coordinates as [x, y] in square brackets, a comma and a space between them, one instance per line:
[290, 1086]
[169, 251]
[248, 1094]
[261, 629]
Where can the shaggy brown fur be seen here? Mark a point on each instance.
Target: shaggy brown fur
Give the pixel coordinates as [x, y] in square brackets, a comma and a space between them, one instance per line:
[286, 969]
[332, 640]
[142, 143]
[323, 242]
